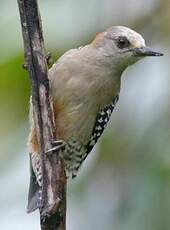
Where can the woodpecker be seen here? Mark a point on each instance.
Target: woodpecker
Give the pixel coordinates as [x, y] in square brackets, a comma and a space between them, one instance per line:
[85, 86]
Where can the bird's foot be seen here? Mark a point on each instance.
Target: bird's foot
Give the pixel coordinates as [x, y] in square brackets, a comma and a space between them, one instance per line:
[57, 145]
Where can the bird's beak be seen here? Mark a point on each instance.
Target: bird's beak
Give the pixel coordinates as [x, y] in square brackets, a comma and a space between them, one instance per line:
[145, 52]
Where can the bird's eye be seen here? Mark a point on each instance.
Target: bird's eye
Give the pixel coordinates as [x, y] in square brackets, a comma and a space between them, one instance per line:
[122, 42]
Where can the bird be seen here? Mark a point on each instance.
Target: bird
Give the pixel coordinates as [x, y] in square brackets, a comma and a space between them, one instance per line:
[84, 85]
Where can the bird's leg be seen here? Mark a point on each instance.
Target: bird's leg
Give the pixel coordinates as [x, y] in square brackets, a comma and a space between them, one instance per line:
[57, 145]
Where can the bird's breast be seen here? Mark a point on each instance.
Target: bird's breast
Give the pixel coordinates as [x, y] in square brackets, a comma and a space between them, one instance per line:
[80, 90]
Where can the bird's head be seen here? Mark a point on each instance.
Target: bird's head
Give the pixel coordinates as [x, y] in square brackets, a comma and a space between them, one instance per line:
[123, 45]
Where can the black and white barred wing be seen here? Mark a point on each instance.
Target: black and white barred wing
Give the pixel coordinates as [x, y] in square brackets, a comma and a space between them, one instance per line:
[100, 124]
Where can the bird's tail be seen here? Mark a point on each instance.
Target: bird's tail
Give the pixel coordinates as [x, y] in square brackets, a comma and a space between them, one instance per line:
[34, 195]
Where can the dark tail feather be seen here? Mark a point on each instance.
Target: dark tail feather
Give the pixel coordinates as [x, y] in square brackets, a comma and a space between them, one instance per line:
[34, 192]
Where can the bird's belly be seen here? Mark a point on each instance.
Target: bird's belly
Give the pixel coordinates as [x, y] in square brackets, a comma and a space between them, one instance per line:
[75, 125]
[82, 134]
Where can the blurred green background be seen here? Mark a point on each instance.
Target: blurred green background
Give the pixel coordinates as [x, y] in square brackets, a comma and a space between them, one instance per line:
[125, 182]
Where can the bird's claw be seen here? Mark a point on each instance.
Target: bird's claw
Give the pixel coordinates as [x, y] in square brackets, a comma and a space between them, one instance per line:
[57, 145]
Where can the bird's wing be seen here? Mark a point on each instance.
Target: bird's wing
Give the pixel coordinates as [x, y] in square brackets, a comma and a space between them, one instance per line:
[34, 190]
[99, 126]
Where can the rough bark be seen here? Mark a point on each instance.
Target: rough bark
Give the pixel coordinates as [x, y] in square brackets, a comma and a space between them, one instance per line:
[53, 211]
